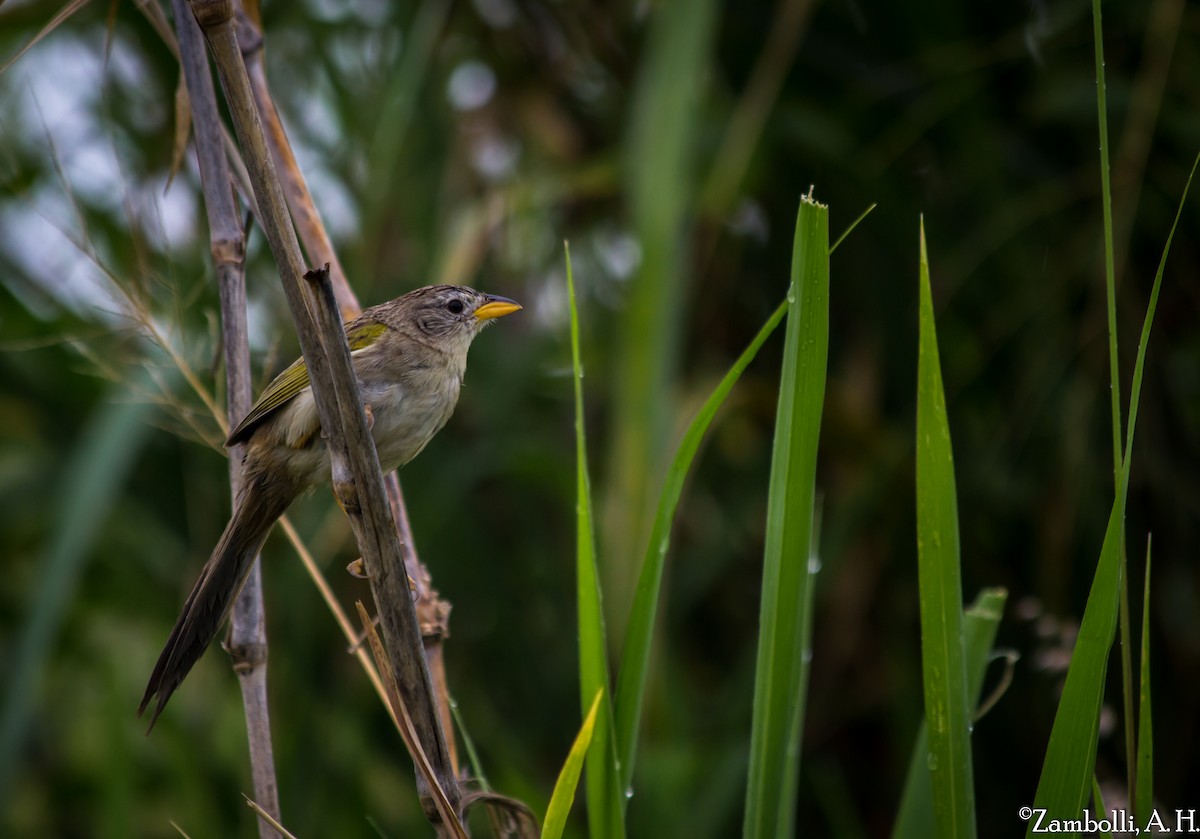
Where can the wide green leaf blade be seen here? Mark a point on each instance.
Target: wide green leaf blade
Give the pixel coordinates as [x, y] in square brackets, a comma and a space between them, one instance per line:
[785, 622]
[1071, 753]
[604, 797]
[947, 712]
[980, 622]
[568, 777]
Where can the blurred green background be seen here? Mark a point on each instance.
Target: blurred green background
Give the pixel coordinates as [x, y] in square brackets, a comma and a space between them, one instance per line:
[669, 142]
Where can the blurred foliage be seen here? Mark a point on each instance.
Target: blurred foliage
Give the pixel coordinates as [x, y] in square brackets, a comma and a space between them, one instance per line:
[465, 142]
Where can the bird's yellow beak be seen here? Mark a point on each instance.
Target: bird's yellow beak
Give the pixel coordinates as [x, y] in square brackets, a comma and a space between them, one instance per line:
[496, 307]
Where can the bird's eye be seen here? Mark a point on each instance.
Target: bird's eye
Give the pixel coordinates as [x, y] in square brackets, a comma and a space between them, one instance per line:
[455, 307]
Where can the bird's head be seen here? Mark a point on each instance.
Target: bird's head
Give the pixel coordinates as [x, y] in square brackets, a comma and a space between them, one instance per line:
[449, 315]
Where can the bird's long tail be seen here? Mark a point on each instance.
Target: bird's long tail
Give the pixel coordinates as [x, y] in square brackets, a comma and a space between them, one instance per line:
[260, 503]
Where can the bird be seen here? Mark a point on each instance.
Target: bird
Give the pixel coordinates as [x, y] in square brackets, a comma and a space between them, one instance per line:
[409, 355]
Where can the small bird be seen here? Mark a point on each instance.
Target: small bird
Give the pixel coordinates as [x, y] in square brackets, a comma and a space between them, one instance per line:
[410, 355]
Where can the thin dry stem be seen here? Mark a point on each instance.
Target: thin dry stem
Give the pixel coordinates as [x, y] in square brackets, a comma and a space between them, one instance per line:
[372, 520]
[248, 634]
[432, 611]
[263, 814]
[450, 818]
[139, 313]
[158, 22]
[352, 455]
[56, 21]
[339, 614]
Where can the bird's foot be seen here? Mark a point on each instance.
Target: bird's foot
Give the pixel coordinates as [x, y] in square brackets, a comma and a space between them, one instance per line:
[358, 569]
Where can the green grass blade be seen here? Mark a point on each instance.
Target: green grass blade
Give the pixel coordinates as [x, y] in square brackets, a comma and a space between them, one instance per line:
[784, 623]
[1110, 297]
[1143, 802]
[947, 712]
[604, 796]
[1071, 752]
[568, 777]
[980, 622]
[473, 759]
[1140, 364]
[850, 229]
[635, 658]
[1106, 206]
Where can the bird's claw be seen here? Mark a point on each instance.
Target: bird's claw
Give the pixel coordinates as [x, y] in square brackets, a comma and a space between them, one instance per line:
[358, 569]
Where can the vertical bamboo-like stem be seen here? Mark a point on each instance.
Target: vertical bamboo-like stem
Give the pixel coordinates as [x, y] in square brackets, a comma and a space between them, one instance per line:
[358, 485]
[355, 464]
[433, 613]
[248, 637]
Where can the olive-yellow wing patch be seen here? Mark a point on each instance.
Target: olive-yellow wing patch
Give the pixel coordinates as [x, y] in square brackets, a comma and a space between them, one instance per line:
[288, 384]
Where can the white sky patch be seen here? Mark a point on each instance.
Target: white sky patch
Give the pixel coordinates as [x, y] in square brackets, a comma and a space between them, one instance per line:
[495, 157]
[178, 213]
[54, 107]
[337, 206]
[328, 10]
[319, 118]
[51, 260]
[93, 174]
[471, 86]
[619, 252]
[55, 88]
[370, 12]
[550, 304]
[334, 201]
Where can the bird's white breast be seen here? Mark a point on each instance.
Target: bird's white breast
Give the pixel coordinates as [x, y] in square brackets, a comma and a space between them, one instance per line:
[407, 415]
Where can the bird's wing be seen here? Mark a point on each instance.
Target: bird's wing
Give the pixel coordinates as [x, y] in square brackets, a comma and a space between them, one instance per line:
[288, 384]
